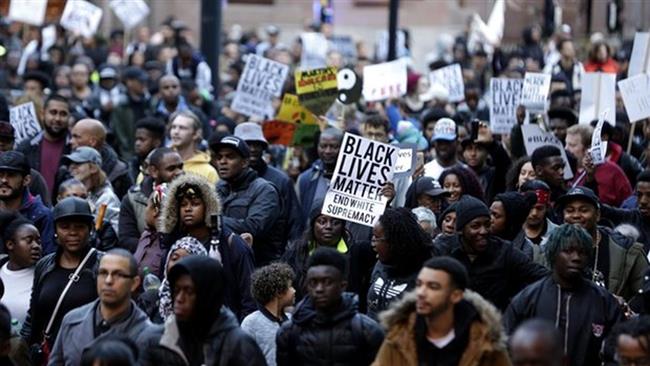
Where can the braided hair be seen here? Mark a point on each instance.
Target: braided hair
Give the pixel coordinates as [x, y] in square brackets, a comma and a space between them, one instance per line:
[409, 245]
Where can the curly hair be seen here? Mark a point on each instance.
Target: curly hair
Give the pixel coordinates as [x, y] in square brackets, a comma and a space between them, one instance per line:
[567, 236]
[270, 281]
[408, 244]
[512, 176]
[468, 181]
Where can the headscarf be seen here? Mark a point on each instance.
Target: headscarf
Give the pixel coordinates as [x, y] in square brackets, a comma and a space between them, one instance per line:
[193, 247]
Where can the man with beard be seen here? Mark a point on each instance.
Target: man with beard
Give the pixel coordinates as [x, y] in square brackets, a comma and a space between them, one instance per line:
[45, 150]
[582, 311]
[14, 195]
[186, 132]
[442, 323]
[444, 143]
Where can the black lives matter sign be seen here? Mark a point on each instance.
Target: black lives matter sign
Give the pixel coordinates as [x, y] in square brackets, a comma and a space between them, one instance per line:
[261, 81]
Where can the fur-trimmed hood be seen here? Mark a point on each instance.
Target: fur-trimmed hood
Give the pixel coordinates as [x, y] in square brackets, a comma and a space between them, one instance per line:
[168, 218]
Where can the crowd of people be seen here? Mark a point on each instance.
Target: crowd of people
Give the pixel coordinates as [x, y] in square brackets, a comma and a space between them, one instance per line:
[150, 223]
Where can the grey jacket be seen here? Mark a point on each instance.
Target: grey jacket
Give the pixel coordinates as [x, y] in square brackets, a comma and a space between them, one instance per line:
[77, 333]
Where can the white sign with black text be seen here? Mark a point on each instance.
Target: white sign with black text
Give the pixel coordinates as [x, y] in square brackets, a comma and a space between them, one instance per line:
[27, 11]
[24, 120]
[535, 137]
[635, 92]
[535, 91]
[261, 81]
[504, 95]
[130, 12]
[81, 17]
[451, 78]
[598, 95]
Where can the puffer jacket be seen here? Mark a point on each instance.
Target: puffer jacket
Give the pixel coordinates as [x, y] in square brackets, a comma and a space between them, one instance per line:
[344, 337]
[486, 345]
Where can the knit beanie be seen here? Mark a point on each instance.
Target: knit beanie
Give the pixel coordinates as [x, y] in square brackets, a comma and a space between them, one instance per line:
[467, 209]
[517, 207]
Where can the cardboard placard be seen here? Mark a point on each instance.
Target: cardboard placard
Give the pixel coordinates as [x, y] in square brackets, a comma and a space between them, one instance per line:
[314, 50]
[316, 89]
[362, 169]
[24, 120]
[635, 92]
[451, 78]
[385, 80]
[640, 58]
[261, 81]
[279, 132]
[535, 91]
[598, 95]
[130, 12]
[534, 137]
[598, 148]
[27, 11]
[505, 95]
[406, 160]
[81, 17]
[292, 111]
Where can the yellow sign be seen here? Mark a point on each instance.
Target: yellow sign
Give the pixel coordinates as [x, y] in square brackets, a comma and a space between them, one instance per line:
[317, 88]
[292, 111]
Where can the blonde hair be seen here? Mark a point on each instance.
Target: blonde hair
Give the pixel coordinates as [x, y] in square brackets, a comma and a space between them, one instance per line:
[584, 131]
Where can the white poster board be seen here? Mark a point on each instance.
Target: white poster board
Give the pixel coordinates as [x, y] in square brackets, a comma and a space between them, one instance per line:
[314, 50]
[504, 95]
[406, 160]
[261, 81]
[450, 77]
[362, 169]
[81, 17]
[635, 92]
[535, 91]
[534, 137]
[598, 148]
[385, 80]
[130, 12]
[27, 11]
[24, 120]
[598, 95]
[640, 58]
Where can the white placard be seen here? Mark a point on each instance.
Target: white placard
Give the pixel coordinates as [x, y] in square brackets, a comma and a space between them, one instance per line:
[504, 95]
[314, 50]
[385, 80]
[261, 81]
[598, 148]
[534, 137]
[535, 91]
[635, 92]
[362, 169]
[24, 120]
[130, 12]
[450, 77]
[640, 58]
[598, 95]
[406, 160]
[28, 11]
[81, 17]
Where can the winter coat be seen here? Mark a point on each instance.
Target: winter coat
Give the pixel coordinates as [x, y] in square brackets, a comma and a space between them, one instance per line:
[105, 195]
[225, 345]
[132, 214]
[31, 148]
[116, 171]
[344, 337]
[387, 285]
[307, 185]
[486, 345]
[123, 120]
[77, 332]
[627, 264]
[251, 205]
[629, 216]
[199, 164]
[590, 314]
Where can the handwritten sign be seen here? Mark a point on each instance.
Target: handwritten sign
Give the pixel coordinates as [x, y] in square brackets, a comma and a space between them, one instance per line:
[505, 95]
[385, 80]
[534, 137]
[635, 92]
[316, 88]
[81, 17]
[28, 11]
[130, 12]
[362, 169]
[640, 58]
[598, 95]
[451, 78]
[261, 81]
[535, 91]
[292, 111]
[406, 160]
[24, 120]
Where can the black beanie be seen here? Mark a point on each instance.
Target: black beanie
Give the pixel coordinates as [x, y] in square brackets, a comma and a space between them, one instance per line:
[517, 206]
[467, 209]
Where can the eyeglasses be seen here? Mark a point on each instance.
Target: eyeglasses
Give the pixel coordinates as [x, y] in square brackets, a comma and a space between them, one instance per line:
[117, 274]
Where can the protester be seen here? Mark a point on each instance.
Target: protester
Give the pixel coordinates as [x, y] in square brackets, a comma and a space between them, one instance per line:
[5, 336]
[520, 171]
[186, 132]
[631, 341]
[460, 181]
[548, 167]
[442, 322]
[508, 213]
[426, 192]
[426, 219]
[537, 227]
[111, 350]
[443, 141]
[149, 251]
[536, 342]
[326, 327]
[149, 135]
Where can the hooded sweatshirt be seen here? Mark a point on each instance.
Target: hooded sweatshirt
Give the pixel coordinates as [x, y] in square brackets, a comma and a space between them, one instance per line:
[200, 164]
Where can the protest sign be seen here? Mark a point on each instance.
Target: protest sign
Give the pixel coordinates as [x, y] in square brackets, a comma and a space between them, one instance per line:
[635, 92]
[345, 46]
[535, 91]
[489, 34]
[305, 135]
[27, 11]
[534, 137]
[406, 160]
[314, 50]
[130, 12]
[349, 85]
[362, 169]
[505, 95]
[598, 95]
[640, 58]
[598, 147]
[261, 81]
[385, 80]
[81, 17]
[450, 77]
[24, 120]
[278, 132]
[316, 89]
[292, 111]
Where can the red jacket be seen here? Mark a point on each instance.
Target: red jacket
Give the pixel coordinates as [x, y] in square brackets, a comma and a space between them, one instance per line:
[613, 185]
[609, 66]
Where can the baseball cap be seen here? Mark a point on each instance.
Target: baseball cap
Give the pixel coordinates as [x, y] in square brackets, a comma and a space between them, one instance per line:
[578, 193]
[430, 187]
[84, 154]
[14, 161]
[250, 131]
[235, 143]
[445, 129]
[7, 130]
[108, 72]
